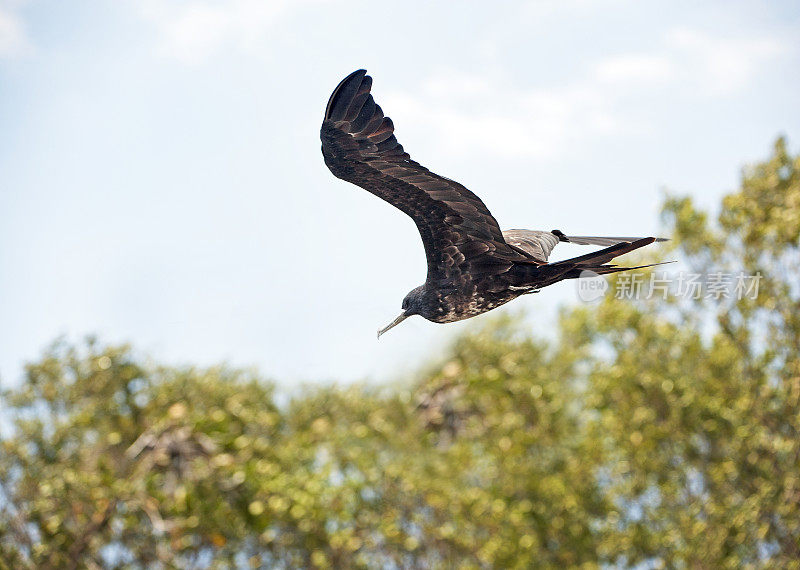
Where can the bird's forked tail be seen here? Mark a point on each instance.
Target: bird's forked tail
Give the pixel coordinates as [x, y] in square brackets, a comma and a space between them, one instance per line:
[596, 262]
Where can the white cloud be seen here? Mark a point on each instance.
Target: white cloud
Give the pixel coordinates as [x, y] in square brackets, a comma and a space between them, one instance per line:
[194, 30]
[490, 117]
[479, 114]
[636, 68]
[721, 65]
[536, 9]
[13, 37]
[691, 59]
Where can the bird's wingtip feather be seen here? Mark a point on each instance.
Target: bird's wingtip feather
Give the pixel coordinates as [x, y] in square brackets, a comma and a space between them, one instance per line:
[355, 77]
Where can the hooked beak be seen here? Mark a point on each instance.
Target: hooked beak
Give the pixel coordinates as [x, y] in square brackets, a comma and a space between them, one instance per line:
[394, 323]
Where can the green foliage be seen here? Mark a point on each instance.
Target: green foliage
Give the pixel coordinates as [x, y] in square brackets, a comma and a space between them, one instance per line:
[652, 432]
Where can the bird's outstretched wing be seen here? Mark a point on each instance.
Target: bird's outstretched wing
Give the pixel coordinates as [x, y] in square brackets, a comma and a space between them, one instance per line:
[539, 244]
[459, 234]
[536, 243]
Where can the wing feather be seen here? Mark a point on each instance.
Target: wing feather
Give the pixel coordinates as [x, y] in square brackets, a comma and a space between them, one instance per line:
[536, 243]
[459, 233]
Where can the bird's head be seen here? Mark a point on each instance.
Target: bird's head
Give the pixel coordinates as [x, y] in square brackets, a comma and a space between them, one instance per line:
[413, 304]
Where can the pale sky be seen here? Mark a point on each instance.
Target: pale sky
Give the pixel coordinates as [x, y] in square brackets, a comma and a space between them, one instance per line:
[161, 180]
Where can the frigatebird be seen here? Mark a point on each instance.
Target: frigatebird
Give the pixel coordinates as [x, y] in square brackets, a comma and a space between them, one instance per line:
[473, 266]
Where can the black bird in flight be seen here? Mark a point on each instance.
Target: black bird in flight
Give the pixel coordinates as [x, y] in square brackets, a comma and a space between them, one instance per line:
[473, 266]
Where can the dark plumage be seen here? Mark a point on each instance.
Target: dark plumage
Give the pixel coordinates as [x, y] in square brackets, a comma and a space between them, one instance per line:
[473, 266]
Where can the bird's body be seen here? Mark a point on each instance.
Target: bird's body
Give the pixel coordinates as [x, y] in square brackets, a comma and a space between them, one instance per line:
[448, 303]
[473, 266]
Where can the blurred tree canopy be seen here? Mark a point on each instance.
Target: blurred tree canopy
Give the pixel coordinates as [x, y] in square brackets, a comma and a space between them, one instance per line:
[650, 433]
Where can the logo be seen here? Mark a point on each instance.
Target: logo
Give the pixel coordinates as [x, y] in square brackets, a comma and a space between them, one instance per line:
[591, 287]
